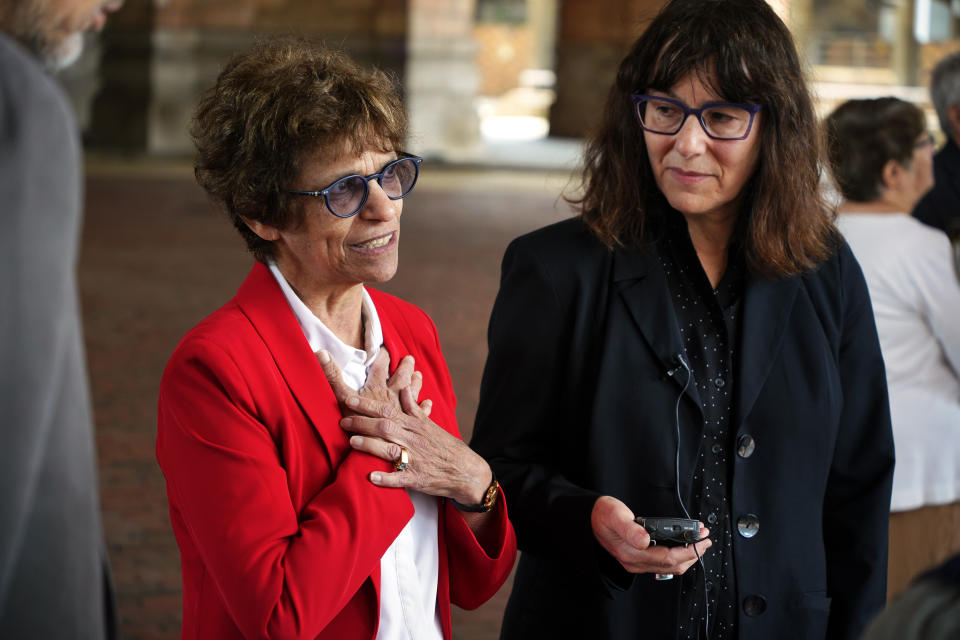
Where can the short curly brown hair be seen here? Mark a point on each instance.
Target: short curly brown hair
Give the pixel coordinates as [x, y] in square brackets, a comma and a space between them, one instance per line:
[286, 98]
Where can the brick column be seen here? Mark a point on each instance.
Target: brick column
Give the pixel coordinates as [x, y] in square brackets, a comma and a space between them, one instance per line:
[442, 80]
[593, 36]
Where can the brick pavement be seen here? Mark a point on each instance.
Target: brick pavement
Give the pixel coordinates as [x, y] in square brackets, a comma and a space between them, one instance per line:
[156, 259]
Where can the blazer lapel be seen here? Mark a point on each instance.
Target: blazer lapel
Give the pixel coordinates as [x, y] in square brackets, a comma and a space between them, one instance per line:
[766, 307]
[398, 338]
[262, 301]
[641, 284]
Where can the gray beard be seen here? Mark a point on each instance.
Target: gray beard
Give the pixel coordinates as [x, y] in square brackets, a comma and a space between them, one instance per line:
[28, 27]
[64, 54]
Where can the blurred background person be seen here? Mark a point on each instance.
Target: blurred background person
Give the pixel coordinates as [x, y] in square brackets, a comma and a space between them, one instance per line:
[940, 207]
[697, 343]
[288, 525]
[928, 610]
[54, 576]
[881, 159]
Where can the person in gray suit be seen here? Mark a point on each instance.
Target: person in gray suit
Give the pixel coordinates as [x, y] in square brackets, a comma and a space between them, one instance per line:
[54, 577]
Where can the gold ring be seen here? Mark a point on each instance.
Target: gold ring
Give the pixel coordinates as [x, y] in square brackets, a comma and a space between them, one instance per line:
[401, 463]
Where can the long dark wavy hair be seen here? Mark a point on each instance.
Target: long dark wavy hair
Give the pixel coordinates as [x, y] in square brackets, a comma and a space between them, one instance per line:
[745, 54]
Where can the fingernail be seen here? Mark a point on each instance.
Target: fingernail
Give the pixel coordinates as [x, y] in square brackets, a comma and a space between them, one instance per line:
[356, 441]
[375, 477]
[346, 423]
[353, 401]
[324, 356]
[417, 374]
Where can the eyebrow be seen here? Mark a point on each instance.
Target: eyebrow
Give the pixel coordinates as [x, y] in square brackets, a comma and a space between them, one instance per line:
[673, 96]
[396, 156]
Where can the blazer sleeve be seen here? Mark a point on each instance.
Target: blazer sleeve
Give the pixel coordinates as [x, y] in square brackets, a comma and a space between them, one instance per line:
[527, 421]
[281, 573]
[474, 574]
[857, 502]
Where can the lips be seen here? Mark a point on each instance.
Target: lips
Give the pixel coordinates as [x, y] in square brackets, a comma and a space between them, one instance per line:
[375, 243]
[687, 177]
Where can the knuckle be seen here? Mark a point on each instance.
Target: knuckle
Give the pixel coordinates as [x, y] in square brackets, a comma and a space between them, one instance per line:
[419, 482]
[390, 411]
[388, 428]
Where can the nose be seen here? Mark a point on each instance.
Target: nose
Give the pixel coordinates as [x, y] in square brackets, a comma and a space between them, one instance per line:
[378, 206]
[691, 139]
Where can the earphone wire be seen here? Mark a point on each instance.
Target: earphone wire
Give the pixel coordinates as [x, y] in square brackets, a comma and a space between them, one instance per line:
[676, 421]
[676, 467]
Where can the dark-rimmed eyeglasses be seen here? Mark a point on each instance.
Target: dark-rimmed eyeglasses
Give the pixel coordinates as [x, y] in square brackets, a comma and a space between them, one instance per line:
[720, 120]
[346, 196]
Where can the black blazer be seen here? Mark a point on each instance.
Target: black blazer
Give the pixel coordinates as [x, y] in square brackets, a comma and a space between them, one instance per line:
[576, 403]
[940, 207]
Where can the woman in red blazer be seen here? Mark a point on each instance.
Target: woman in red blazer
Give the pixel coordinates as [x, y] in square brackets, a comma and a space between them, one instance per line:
[294, 521]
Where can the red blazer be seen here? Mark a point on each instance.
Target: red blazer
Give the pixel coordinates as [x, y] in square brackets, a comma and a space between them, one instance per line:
[280, 530]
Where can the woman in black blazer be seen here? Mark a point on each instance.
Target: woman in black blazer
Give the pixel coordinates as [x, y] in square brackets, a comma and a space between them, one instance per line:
[697, 343]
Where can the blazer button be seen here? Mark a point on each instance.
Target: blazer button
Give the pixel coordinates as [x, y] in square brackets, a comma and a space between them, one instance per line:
[754, 605]
[748, 525]
[712, 518]
[745, 445]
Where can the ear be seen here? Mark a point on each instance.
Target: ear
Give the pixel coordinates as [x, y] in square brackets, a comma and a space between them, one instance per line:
[265, 231]
[892, 174]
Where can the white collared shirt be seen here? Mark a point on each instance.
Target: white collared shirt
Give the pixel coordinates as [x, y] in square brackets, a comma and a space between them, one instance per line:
[409, 568]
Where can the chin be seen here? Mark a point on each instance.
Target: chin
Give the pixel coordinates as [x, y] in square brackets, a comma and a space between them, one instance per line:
[686, 206]
[380, 278]
[381, 275]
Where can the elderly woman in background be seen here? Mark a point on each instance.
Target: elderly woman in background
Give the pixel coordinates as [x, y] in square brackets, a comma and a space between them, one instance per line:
[288, 525]
[696, 343]
[880, 154]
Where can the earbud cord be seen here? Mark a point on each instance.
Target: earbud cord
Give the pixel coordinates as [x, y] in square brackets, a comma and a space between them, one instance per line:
[676, 466]
[676, 416]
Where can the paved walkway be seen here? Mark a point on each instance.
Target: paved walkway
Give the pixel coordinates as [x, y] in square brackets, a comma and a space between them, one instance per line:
[156, 259]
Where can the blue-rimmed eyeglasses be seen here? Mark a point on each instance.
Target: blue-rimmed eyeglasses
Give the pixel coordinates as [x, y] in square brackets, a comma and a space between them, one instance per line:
[347, 195]
[720, 120]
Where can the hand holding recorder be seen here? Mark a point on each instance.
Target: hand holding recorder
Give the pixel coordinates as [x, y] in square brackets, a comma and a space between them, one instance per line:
[616, 529]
